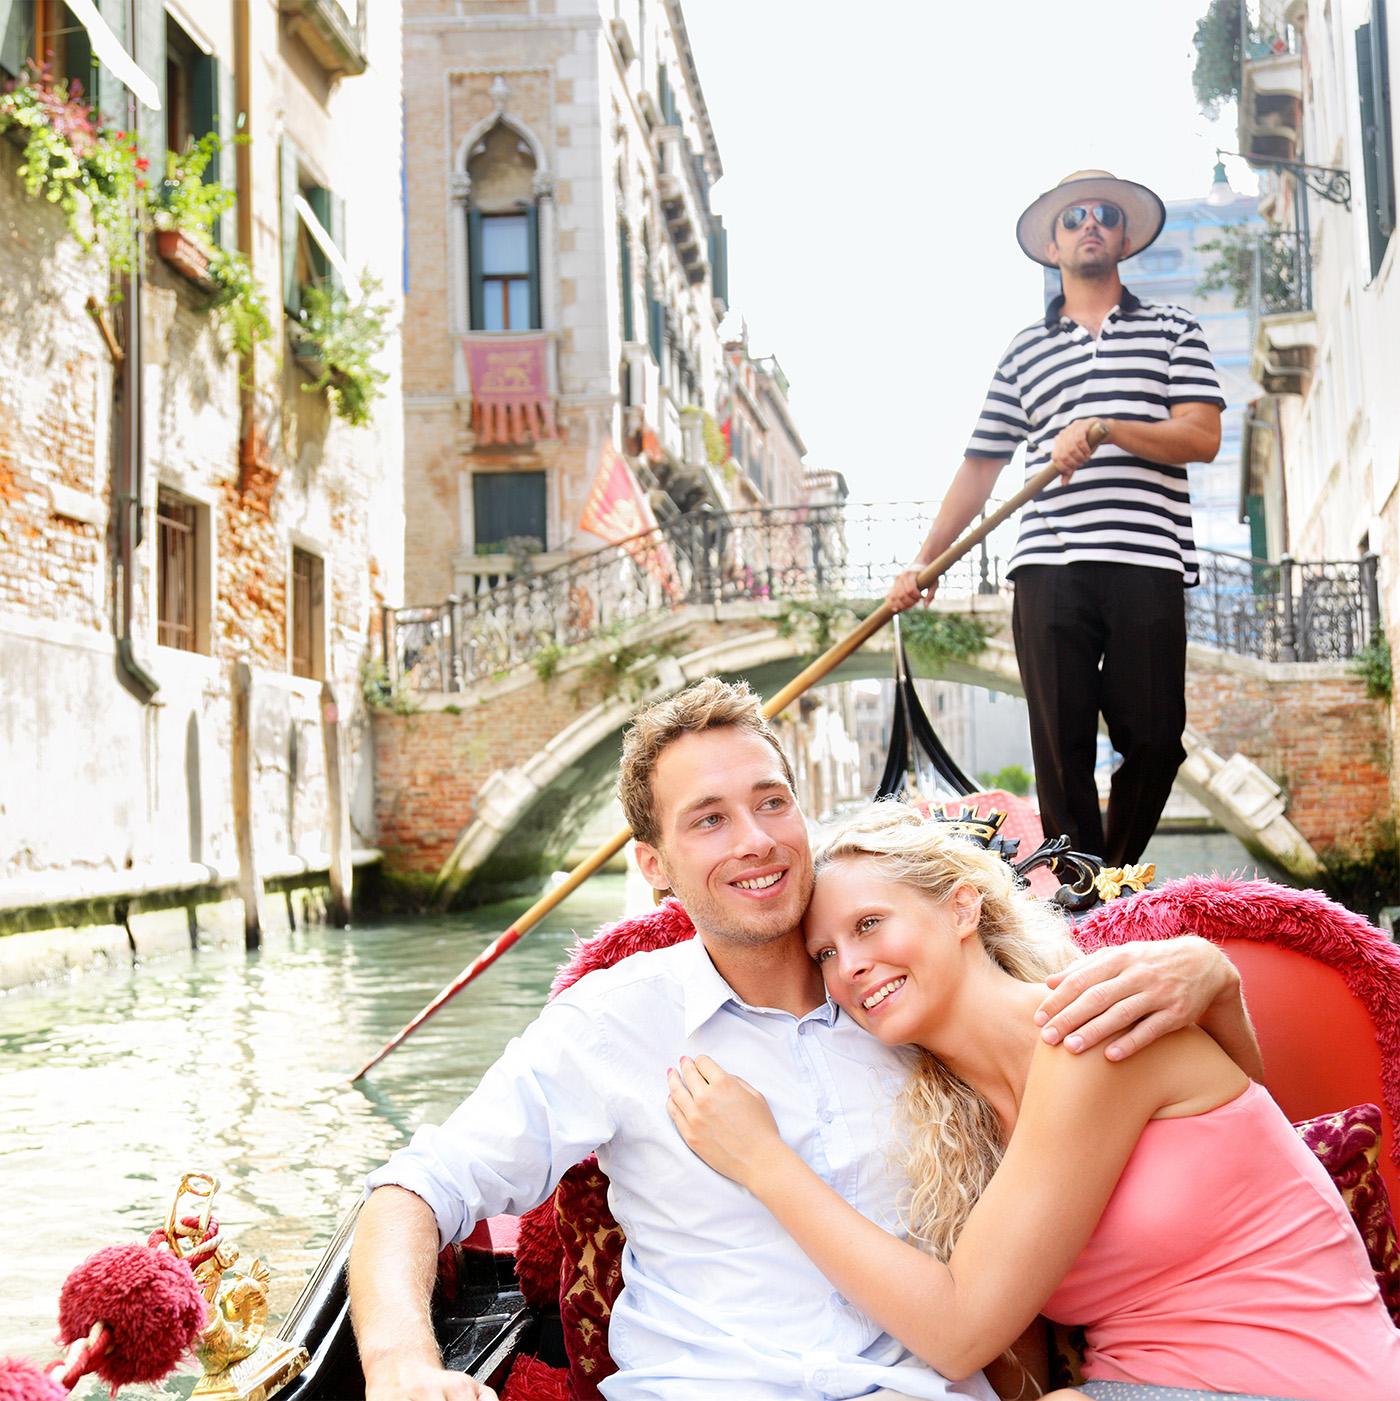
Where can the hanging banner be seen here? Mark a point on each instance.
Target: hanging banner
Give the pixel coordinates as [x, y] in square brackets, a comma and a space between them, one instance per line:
[510, 388]
[617, 511]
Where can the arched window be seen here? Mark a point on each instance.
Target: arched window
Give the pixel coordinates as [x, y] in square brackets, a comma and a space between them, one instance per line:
[503, 233]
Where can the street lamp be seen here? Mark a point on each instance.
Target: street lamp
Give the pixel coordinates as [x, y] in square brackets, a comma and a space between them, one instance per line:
[1221, 192]
[1325, 181]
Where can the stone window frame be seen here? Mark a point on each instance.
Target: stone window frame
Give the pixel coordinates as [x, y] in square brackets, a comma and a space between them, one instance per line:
[458, 195]
[205, 568]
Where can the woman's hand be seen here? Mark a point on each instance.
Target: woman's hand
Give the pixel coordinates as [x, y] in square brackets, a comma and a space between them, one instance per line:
[724, 1120]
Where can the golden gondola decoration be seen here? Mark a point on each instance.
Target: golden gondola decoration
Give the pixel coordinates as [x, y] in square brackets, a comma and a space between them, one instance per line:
[242, 1361]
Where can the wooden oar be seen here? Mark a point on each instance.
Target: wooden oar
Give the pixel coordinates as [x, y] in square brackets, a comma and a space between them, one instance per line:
[803, 681]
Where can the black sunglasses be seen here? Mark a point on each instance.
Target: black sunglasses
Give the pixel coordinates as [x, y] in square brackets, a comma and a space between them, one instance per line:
[1106, 216]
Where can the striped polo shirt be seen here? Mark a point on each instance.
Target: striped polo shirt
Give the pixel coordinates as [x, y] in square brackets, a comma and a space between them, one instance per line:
[1117, 507]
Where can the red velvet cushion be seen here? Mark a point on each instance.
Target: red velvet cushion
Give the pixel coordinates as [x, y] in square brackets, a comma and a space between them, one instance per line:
[1348, 1145]
[591, 1279]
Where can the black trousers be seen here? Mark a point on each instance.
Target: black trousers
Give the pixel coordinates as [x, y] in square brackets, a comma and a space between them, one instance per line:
[1104, 639]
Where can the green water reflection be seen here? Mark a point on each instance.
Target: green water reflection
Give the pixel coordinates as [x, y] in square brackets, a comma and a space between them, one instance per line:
[115, 1084]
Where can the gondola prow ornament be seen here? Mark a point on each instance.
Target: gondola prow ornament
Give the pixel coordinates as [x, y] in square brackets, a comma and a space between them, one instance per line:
[132, 1313]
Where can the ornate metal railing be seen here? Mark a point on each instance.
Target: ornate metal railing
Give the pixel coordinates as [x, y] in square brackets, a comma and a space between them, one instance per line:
[1279, 611]
[1286, 610]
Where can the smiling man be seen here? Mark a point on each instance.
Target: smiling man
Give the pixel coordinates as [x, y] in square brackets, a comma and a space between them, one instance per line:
[717, 1299]
[1103, 556]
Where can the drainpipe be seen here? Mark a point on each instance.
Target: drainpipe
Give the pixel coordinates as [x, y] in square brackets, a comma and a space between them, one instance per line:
[136, 677]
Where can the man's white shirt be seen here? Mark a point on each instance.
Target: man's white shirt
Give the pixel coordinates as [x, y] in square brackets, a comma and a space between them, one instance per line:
[716, 1294]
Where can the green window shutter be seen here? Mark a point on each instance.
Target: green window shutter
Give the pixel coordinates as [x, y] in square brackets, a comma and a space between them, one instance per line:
[108, 92]
[1366, 85]
[291, 293]
[17, 36]
[624, 256]
[719, 260]
[336, 229]
[533, 228]
[1385, 142]
[204, 106]
[476, 310]
[150, 54]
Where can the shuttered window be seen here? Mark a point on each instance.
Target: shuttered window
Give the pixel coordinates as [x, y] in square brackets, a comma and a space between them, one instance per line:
[624, 277]
[508, 506]
[1377, 136]
[303, 260]
[177, 582]
[308, 630]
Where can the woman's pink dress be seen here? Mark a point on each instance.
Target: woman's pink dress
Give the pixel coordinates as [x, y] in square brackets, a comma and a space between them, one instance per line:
[1226, 1261]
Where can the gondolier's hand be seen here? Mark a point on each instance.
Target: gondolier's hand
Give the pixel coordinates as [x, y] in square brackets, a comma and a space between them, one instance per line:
[724, 1120]
[1073, 445]
[904, 592]
[422, 1381]
[1133, 994]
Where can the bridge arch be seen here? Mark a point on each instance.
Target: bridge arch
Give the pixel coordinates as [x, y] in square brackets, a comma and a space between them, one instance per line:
[527, 816]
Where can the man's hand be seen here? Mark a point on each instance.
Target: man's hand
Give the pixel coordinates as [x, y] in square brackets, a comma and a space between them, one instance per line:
[1075, 445]
[422, 1381]
[904, 592]
[1135, 993]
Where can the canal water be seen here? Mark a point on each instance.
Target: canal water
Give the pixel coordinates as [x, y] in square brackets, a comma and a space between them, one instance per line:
[114, 1084]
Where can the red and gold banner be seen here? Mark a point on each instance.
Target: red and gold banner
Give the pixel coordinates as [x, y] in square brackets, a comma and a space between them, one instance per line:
[510, 387]
[618, 511]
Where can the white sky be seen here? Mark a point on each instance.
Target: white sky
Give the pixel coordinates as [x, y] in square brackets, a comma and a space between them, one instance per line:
[876, 159]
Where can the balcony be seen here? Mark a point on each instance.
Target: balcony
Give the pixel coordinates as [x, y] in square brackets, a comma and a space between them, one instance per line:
[1271, 93]
[1282, 319]
[333, 31]
[685, 202]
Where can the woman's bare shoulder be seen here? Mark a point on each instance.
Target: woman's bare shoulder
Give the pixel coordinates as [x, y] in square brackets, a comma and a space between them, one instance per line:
[1181, 1073]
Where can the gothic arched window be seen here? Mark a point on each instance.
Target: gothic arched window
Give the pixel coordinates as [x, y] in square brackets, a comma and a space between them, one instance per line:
[503, 233]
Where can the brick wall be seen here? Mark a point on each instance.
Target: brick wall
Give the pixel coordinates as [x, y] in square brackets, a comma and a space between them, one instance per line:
[1313, 731]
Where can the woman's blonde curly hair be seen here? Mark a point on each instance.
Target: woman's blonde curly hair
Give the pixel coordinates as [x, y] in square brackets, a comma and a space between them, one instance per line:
[955, 1138]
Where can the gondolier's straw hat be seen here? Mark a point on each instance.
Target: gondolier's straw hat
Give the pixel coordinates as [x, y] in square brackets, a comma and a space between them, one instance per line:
[1144, 211]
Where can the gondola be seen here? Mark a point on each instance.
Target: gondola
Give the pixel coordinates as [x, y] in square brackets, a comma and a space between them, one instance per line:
[497, 1309]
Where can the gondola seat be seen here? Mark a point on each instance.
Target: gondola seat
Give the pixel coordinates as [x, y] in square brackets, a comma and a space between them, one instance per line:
[1315, 975]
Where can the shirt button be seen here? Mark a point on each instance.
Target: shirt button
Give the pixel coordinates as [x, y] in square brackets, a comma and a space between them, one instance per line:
[819, 1379]
[827, 1116]
[839, 1301]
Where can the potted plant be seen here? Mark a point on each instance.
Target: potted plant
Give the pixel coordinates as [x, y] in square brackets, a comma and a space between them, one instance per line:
[94, 173]
[186, 208]
[336, 340]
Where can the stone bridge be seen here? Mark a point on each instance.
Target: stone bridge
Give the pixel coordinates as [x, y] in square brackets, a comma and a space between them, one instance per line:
[490, 781]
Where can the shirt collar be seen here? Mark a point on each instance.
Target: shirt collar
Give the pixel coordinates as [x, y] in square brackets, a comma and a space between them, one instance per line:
[706, 991]
[1056, 309]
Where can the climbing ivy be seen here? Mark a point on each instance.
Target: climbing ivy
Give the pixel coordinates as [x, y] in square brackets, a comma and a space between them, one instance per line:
[1372, 665]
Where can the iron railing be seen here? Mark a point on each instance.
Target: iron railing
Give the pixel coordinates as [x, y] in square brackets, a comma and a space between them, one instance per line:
[1285, 610]
[1282, 611]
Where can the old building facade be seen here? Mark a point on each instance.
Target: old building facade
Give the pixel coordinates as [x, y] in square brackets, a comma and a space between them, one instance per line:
[169, 507]
[567, 281]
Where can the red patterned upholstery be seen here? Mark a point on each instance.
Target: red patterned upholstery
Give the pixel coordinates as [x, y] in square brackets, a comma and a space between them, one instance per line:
[1348, 1145]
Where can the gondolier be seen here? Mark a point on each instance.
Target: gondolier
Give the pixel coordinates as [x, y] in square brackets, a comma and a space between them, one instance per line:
[1105, 552]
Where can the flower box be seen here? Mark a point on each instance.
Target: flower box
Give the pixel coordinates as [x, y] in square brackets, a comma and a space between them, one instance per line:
[185, 256]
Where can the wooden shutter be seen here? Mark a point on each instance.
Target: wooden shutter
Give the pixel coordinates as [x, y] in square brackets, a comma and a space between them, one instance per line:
[624, 259]
[149, 52]
[206, 98]
[1385, 139]
[291, 293]
[477, 311]
[1370, 140]
[533, 229]
[17, 36]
